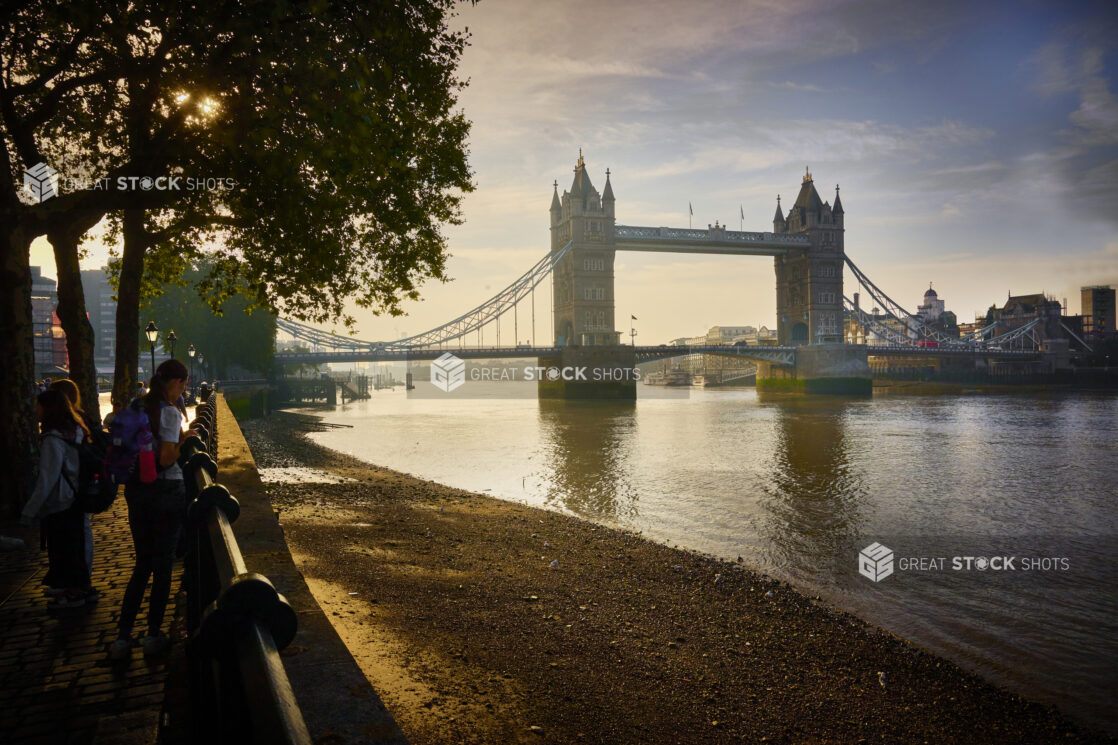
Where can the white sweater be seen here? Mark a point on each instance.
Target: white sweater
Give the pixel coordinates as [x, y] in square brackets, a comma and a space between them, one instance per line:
[54, 456]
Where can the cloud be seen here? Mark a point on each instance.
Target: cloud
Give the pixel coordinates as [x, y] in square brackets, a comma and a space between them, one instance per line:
[1073, 63]
[723, 103]
[1096, 118]
[789, 85]
[757, 146]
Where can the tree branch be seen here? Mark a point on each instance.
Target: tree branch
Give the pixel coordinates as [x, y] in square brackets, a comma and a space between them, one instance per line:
[63, 60]
[22, 137]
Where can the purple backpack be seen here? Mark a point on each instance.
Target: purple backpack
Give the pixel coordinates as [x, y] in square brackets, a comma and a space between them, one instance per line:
[129, 433]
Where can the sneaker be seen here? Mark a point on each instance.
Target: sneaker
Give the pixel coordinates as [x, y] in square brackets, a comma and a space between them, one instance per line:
[120, 649]
[155, 645]
[67, 600]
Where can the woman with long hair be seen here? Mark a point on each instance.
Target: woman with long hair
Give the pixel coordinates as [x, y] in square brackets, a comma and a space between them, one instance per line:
[54, 500]
[70, 389]
[155, 515]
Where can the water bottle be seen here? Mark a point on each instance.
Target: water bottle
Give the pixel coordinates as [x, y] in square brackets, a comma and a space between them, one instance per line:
[146, 457]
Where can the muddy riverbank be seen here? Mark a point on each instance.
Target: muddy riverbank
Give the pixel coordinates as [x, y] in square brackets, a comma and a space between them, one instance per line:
[480, 620]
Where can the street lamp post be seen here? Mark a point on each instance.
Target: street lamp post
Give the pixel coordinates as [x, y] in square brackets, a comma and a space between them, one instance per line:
[152, 333]
[171, 338]
[190, 352]
[201, 365]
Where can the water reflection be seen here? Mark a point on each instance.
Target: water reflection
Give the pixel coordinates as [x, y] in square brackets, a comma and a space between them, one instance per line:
[585, 457]
[814, 495]
[798, 485]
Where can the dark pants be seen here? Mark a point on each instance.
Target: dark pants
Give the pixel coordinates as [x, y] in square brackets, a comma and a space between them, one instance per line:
[155, 516]
[65, 534]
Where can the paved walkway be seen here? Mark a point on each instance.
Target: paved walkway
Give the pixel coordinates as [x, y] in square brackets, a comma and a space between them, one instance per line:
[57, 684]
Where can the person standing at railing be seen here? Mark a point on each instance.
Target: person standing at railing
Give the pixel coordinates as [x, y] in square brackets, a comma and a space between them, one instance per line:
[155, 515]
[54, 500]
[93, 426]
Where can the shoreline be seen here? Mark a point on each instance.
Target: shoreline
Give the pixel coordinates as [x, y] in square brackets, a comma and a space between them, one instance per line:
[450, 604]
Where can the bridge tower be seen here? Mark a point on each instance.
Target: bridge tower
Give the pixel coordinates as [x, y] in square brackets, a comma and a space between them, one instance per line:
[809, 281]
[582, 282]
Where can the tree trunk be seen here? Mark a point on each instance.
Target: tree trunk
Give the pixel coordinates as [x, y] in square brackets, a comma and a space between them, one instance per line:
[72, 311]
[128, 306]
[18, 430]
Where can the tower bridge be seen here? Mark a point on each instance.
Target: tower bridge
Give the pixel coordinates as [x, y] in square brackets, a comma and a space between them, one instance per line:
[807, 246]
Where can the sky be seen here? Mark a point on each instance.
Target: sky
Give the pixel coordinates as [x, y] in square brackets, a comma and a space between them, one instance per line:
[976, 145]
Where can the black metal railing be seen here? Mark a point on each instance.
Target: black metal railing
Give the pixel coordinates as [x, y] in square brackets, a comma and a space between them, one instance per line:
[237, 621]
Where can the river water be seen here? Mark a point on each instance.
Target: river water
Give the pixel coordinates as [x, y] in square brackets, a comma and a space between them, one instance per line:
[796, 486]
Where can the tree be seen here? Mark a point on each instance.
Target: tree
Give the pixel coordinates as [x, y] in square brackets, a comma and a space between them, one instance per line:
[335, 121]
[234, 335]
[304, 368]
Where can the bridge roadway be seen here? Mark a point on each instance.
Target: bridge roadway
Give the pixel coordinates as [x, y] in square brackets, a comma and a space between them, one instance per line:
[773, 354]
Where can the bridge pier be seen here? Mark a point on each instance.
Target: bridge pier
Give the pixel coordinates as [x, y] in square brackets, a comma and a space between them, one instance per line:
[837, 369]
[590, 373]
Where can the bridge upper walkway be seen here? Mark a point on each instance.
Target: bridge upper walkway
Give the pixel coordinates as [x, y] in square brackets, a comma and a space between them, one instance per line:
[710, 241]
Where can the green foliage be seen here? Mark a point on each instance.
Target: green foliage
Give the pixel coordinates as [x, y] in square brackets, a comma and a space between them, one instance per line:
[335, 124]
[335, 120]
[303, 368]
[236, 335]
[351, 161]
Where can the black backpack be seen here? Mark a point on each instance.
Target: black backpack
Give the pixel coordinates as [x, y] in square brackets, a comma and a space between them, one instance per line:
[96, 488]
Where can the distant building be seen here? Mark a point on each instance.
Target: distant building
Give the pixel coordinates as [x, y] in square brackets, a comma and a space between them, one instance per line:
[877, 327]
[934, 314]
[966, 329]
[1097, 309]
[716, 367]
[101, 309]
[60, 357]
[756, 337]
[932, 307]
[1022, 309]
[726, 334]
[50, 355]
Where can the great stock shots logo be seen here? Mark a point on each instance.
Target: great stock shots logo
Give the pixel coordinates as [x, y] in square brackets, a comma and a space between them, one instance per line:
[875, 562]
[448, 372]
[42, 181]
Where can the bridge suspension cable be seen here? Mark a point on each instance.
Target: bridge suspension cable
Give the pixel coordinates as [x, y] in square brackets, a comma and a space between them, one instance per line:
[980, 334]
[1027, 330]
[897, 312]
[467, 323]
[877, 325]
[319, 338]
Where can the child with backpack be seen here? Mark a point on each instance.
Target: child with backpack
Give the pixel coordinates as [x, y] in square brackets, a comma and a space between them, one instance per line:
[156, 512]
[54, 500]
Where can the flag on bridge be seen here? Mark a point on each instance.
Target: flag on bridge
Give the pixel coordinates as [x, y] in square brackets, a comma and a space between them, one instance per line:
[633, 317]
[690, 209]
[741, 210]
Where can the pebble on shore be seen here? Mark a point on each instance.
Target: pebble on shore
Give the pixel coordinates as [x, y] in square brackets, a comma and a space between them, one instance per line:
[468, 637]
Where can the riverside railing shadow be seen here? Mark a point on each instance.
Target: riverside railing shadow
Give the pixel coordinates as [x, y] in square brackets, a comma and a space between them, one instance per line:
[237, 621]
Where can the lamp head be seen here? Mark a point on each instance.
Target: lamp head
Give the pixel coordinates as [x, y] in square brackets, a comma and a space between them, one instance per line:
[151, 332]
